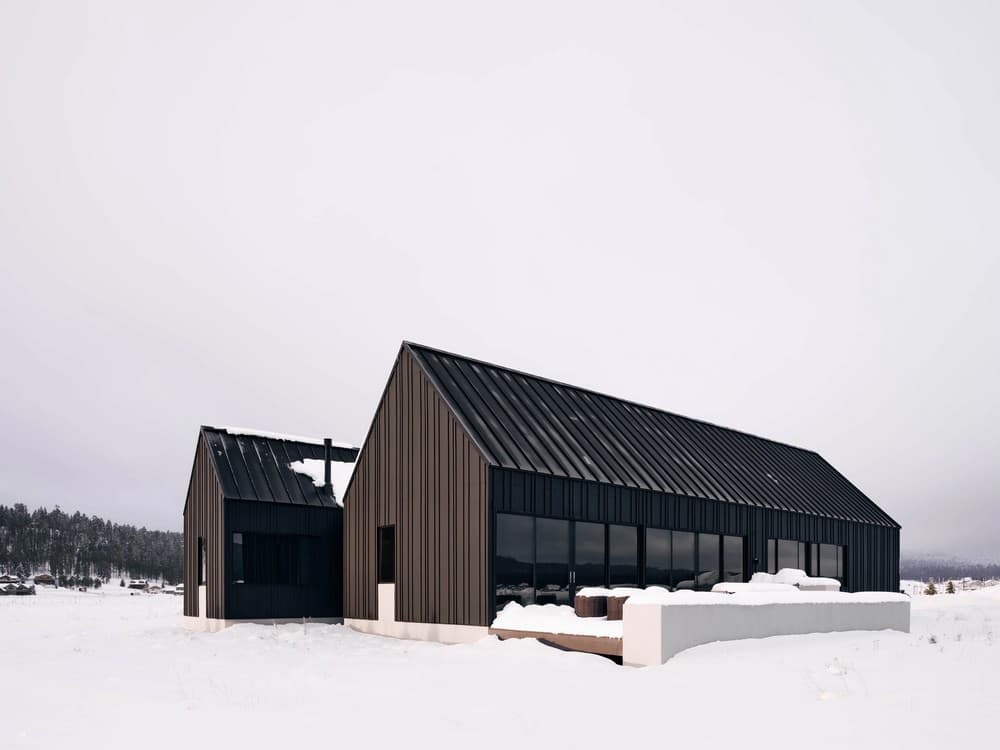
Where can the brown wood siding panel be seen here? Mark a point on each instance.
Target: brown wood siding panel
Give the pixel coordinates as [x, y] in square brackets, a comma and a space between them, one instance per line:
[203, 519]
[419, 470]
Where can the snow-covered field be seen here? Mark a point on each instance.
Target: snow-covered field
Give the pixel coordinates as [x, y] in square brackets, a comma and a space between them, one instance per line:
[110, 670]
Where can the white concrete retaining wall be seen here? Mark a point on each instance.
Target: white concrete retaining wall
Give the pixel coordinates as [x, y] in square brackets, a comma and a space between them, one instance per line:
[655, 631]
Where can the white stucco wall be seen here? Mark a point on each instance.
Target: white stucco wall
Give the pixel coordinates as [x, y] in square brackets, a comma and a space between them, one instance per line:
[653, 632]
[386, 624]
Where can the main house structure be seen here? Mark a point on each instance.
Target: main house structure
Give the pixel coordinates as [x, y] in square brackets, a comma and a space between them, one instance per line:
[478, 485]
[263, 528]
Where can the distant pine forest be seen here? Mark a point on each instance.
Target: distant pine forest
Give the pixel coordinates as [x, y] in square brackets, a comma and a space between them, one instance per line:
[942, 570]
[78, 548]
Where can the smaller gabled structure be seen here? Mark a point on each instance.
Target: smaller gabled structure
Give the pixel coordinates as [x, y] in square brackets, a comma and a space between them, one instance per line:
[263, 527]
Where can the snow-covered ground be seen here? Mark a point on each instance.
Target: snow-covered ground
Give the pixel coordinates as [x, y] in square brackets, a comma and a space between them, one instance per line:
[111, 670]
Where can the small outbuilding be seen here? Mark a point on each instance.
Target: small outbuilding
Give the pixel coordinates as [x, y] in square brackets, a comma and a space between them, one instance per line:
[263, 528]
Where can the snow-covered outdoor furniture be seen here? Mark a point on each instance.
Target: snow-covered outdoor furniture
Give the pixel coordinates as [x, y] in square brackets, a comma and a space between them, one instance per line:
[559, 626]
[657, 625]
[591, 602]
[798, 579]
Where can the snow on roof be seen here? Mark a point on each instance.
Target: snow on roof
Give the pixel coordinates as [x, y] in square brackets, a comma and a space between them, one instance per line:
[281, 436]
[315, 469]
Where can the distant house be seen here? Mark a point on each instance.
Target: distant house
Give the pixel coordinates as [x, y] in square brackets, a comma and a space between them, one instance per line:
[16, 589]
[44, 579]
[138, 584]
[263, 527]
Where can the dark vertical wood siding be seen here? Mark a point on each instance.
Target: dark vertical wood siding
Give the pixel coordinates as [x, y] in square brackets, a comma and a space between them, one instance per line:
[322, 596]
[203, 518]
[419, 470]
[872, 552]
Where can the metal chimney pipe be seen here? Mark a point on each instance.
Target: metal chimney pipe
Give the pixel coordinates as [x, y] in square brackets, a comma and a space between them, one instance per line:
[327, 458]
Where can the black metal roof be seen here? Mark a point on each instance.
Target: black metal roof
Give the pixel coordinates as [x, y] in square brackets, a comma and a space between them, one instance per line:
[525, 422]
[255, 467]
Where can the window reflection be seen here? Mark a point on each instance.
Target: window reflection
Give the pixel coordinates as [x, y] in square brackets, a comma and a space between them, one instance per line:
[514, 569]
[732, 559]
[682, 575]
[551, 561]
[589, 554]
[623, 555]
[658, 557]
[826, 560]
[708, 561]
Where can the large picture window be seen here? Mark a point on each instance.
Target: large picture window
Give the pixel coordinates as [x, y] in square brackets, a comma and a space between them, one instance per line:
[708, 561]
[542, 560]
[658, 554]
[551, 561]
[683, 568]
[825, 560]
[515, 560]
[588, 554]
[623, 555]
[274, 559]
[732, 559]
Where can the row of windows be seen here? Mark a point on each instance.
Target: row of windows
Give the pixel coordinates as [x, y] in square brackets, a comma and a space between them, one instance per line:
[274, 559]
[546, 560]
[826, 560]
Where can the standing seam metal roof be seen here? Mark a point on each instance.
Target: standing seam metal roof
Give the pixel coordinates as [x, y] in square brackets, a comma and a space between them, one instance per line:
[253, 467]
[529, 423]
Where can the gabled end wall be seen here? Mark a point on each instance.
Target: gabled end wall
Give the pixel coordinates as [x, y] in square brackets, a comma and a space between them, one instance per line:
[203, 518]
[419, 470]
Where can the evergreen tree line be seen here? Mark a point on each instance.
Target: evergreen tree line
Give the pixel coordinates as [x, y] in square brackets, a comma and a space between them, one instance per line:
[942, 570]
[78, 547]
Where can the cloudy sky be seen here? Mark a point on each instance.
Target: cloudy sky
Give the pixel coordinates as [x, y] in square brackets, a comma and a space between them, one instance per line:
[781, 217]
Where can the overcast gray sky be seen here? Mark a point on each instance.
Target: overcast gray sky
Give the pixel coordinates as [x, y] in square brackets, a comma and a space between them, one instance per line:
[780, 217]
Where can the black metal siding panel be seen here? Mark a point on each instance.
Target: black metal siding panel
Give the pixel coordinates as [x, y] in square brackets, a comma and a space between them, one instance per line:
[323, 596]
[532, 424]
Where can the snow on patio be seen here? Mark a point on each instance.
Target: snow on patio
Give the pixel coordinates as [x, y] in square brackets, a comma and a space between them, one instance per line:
[110, 670]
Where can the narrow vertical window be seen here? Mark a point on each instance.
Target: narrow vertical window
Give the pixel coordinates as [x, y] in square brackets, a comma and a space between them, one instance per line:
[237, 558]
[202, 564]
[386, 551]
